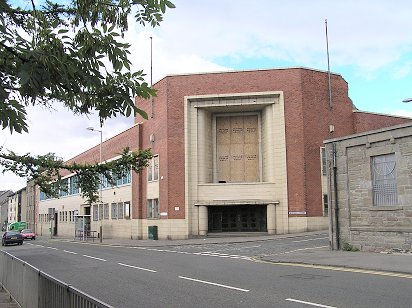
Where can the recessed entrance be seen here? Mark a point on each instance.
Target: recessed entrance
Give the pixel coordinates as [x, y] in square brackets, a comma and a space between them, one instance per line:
[240, 218]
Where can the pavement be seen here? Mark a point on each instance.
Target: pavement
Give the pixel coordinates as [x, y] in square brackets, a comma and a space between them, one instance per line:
[389, 261]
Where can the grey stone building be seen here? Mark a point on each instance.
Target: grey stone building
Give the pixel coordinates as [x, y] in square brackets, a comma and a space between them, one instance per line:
[370, 189]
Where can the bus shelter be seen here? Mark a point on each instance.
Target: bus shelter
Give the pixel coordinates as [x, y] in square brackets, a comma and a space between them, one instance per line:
[82, 228]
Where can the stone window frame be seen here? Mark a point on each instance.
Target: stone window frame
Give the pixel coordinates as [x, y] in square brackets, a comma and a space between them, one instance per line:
[153, 169]
[214, 138]
[152, 208]
[378, 151]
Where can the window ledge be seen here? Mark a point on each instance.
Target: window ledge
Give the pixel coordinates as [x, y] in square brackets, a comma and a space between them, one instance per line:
[388, 208]
[380, 229]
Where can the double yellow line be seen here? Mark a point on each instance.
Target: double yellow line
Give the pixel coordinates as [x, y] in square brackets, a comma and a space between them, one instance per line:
[340, 269]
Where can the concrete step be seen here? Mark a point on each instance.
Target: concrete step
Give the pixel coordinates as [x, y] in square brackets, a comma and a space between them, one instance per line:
[235, 234]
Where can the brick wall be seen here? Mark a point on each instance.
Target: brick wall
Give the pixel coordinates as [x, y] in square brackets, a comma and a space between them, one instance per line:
[364, 121]
[307, 114]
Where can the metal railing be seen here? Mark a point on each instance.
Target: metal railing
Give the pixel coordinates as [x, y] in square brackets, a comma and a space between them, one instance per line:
[32, 288]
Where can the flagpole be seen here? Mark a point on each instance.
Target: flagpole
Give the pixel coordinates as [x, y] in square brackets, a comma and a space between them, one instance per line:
[151, 77]
[327, 52]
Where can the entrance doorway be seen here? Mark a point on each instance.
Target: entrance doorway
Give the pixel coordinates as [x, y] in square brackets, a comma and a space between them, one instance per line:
[55, 224]
[239, 218]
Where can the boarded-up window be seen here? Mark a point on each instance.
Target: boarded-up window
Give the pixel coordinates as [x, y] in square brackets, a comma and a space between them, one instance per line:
[237, 145]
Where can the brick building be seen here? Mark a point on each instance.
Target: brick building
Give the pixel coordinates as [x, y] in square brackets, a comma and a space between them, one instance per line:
[233, 152]
[371, 185]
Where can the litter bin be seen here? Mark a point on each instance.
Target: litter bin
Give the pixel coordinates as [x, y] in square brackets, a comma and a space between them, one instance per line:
[152, 232]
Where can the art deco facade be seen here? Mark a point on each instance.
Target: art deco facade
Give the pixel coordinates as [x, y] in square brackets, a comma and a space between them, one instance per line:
[233, 152]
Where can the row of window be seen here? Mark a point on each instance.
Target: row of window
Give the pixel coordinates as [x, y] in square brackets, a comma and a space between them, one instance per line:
[44, 218]
[120, 210]
[70, 185]
[66, 216]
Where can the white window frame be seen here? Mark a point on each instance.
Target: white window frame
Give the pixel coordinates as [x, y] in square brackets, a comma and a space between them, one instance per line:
[153, 169]
[106, 210]
[152, 208]
[114, 210]
[120, 210]
[95, 212]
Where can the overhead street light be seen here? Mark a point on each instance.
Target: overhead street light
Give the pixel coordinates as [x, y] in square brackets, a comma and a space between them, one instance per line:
[101, 182]
[407, 100]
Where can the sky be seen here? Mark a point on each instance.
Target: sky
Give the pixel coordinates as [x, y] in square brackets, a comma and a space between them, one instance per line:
[370, 45]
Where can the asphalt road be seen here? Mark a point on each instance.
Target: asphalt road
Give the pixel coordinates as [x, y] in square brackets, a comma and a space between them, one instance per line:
[210, 275]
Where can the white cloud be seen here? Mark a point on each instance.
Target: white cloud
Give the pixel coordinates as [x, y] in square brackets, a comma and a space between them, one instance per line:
[58, 132]
[363, 35]
[402, 113]
[366, 34]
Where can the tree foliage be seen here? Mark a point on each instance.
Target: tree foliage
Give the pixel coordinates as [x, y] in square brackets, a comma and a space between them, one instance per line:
[73, 54]
[45, 170]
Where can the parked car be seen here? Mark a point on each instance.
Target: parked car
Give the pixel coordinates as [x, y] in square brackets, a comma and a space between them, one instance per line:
[28, 234]
[12, 237]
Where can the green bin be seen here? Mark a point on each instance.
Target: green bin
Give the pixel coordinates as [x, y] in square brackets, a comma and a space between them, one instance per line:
[152, 232]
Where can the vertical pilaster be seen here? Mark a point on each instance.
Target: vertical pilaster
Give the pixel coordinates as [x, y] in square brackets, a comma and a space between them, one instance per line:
[203, 220]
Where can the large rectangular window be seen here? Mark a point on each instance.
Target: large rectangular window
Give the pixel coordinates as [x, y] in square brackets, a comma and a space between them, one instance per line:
[74, 185]
[100, 211]
[127, 210]
[120, 210]
[237, 148]
[95, 212]
[152, 208]
[153, 169]
[106, 211]
[384, 180]
[114, 210]
[64, 188]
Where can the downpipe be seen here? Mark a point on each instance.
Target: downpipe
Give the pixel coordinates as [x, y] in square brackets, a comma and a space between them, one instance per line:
[335, 191]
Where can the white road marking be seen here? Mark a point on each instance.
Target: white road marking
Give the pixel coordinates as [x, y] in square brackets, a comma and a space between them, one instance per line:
[236, 248]
[53, 248]
[312, 239]
[286, 252]
[94, 258]
[74, 253]
[307, 303]
[214, 284]
[139, 268]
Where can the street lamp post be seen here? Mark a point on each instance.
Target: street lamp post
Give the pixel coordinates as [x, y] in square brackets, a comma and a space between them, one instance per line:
[101, 182]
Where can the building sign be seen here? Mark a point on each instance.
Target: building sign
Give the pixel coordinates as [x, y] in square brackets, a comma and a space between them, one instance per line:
[297, 213]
